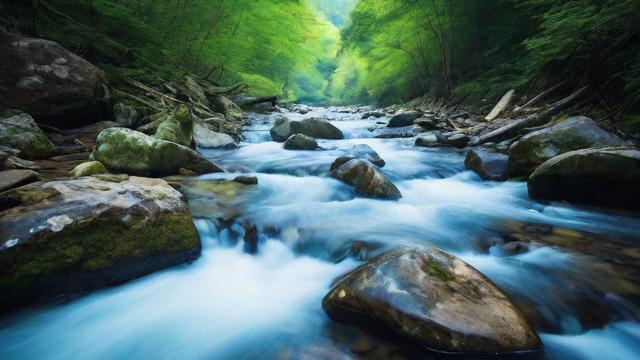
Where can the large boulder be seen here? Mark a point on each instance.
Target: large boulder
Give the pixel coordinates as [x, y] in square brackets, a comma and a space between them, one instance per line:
[176, 127]
[364, 151]
[300, 142]
[22, 133]
[605, 176]
[231, 110]
[404, 119]
[364, 177]
[572, 134]
[429, 299]
[132, 152]
[65, 237]
[46, 80]
[316, 128]
[489, 165]
[10, 179]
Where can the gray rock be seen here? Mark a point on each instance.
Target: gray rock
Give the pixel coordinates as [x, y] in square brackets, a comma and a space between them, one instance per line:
[364, 151]
[365, 178]
[313, 127]
[48, 81]
[209, 139]
[431, 300]
[489, 165]
[404, 119]
[430, 140]
[604, 176]
[458, 140]
[65, 237]
[300, 142]
[125, 114]
[10, 179]
[572, 134]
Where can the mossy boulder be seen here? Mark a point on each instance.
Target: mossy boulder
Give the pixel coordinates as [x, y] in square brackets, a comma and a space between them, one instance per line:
[132, 152]
[487, 164]
[430, 300]
[605, 176]
[88, 169]
[313, 127]
[231, 110]
[301, 142]
[176, 127]
[62, 238]
[48, 81]
[364, 177]
[22, 133]
[571, 134]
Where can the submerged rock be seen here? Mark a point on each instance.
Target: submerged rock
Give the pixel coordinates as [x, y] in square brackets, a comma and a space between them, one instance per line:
[364, 151]
[433, 300]
[365, 178]
[404, 119]
[489, 165]
[61, 238]
[606, 176]
[46, 80]
[22, 133]
[313, 127]
[10, 179]
[88, 168]
[300, 142]
[572, 134]
[132, 152]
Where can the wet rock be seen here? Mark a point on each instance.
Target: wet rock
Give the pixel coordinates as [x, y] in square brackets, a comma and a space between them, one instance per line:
[605, 176]
[373, 114]
[313, 127]
[246, 180]
[10, 179]
[428, 124]
[300, 142]
[572, 134]
[515, 248]
[125, 114]
[88, 169]
[132, 152]
[429, 299]
[250, 239]
[22, 133]
[176, 127]
[489, 165]
[365, 178]
[458, 140]
[404, 119]
[430, 140]
[364, 151]
[48, 81]
[61, 238]
[209, 139]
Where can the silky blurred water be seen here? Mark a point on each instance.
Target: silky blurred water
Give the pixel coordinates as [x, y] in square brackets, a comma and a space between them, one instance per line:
[232, 305]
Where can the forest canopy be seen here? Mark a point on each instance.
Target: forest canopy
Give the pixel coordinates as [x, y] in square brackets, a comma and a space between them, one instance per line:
[361, 52]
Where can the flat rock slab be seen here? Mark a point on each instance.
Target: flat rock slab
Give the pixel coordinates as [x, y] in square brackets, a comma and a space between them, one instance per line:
[10, 179]
[65, 237]
[429, 299]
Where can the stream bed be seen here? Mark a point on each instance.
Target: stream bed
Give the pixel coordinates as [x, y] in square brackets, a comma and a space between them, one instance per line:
[577, 279]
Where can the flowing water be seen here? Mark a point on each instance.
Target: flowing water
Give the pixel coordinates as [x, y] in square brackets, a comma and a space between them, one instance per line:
[577, 283]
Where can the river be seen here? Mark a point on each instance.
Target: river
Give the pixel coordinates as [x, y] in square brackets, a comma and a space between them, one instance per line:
[577, 283]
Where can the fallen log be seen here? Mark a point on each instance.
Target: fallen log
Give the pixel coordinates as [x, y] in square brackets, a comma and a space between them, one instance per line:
[248, 100]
